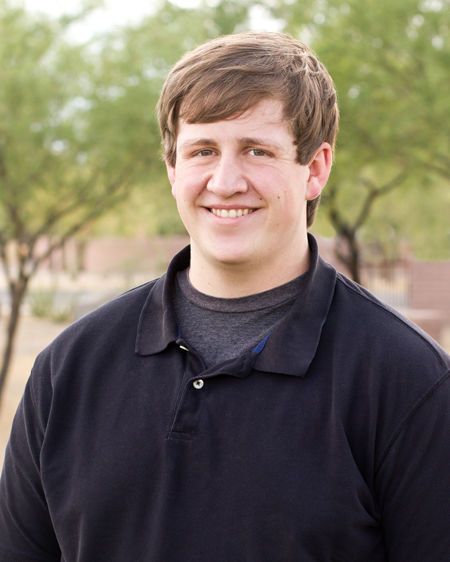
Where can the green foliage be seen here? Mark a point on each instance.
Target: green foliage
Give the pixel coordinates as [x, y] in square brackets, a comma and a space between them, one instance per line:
[41, 303]
[51, 305]
[390, 64]
[74, 131]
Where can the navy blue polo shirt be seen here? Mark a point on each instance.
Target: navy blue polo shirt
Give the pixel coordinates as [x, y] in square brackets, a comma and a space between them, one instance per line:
[330, 441]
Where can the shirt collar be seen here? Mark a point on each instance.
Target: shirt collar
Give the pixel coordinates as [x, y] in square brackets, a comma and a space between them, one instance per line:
[291, 346]
[157, 326]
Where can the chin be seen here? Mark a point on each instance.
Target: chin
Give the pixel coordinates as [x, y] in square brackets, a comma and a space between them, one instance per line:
[231, 256]
[230, 259]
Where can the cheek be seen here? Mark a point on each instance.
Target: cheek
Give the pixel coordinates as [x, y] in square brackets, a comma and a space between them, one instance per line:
[290, 204]
[186, 188]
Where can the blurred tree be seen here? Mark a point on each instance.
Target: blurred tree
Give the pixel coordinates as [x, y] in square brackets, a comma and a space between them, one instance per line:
[71, 145]
[143, 55]
[390, 66]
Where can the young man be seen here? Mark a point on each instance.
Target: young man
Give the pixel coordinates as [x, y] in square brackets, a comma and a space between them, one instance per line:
[252, 404]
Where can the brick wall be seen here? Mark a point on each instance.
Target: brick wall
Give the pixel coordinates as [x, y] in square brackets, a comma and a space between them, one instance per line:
[429, 286]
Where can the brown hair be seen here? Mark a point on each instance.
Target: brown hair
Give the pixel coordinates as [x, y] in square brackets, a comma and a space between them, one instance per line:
[227, 76]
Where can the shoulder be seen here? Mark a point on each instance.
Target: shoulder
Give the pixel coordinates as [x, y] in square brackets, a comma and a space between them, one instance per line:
[394, 365]
[384, 335]
[390, 359]
[96, 351]
[98, 332]
[388, 372]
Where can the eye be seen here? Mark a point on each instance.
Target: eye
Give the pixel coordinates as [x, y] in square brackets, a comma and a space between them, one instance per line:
[204, 152]
[258, 152]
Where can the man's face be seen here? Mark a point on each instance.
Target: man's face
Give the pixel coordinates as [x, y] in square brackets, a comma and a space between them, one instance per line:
[240, 192]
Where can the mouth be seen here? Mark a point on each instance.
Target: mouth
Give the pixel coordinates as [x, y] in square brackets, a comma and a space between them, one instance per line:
[230, 213]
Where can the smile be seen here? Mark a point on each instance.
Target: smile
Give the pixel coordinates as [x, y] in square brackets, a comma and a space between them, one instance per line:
[230, 213]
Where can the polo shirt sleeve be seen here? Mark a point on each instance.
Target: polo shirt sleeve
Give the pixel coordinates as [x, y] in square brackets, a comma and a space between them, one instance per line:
[414, 481]
[26, 530]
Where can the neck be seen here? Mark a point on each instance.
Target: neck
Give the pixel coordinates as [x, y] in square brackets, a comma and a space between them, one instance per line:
[234, 280]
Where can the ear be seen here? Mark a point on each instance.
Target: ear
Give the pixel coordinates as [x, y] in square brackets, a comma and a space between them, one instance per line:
[319, 171]
[171, 175]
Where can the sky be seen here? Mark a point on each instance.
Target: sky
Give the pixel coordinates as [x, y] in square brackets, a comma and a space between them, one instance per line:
[117, 13]
[113, 14]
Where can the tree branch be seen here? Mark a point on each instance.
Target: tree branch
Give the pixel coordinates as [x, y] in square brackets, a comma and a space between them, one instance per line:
[337, 220]
[58, 213]
[373, 194]
[72, 230]
[83, 198]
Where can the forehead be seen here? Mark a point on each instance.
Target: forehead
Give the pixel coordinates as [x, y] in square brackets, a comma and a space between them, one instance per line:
[265, 117]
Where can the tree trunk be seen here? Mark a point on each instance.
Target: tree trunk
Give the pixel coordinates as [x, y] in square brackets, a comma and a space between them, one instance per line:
[349, 253]
[354, 260]
[17, 294]
[80, 253]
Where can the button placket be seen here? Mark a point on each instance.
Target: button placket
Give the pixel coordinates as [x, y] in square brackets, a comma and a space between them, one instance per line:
[186, 413]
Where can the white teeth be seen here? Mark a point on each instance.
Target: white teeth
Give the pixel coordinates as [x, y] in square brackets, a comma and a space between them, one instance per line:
[231, 213]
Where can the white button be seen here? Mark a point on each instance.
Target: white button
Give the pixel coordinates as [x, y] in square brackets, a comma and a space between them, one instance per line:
[198, 384]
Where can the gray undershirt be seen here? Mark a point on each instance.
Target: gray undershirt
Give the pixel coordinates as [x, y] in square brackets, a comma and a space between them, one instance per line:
[220, 329]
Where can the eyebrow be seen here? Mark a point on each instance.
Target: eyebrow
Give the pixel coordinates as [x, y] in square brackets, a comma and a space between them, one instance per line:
[260, 141]
[198, 142]
[257, 141]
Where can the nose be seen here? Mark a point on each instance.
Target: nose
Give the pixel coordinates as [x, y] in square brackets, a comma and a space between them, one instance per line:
[227, 177]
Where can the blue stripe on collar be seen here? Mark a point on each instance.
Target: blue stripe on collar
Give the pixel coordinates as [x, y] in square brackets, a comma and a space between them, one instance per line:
[260, 346]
